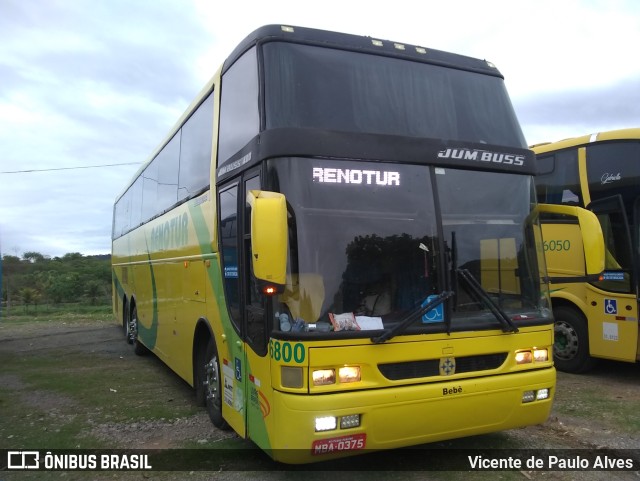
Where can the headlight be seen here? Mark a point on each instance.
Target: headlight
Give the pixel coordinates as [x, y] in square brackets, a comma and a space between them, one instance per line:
[322, 377]
[326, 423]
[349, 374]
[540, 355]
[532, 355]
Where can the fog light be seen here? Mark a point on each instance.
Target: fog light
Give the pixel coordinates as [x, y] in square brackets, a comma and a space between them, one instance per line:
[322, 377]
[524, 357]
[326, 423]
[351, 421]
[542, 394]
[291, 376]
[349, 374]
[528, 396]
[540, 355]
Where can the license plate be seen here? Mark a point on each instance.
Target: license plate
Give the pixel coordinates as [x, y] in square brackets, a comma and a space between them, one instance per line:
[340, 443]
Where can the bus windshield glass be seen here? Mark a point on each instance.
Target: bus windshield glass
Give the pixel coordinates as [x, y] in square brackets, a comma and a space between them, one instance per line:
[366, 243]
[325, 88]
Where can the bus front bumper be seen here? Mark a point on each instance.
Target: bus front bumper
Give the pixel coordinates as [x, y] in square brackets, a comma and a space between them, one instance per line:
[407, 415]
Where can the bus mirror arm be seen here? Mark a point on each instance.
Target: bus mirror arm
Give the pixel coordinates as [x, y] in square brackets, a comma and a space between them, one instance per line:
[412, 317]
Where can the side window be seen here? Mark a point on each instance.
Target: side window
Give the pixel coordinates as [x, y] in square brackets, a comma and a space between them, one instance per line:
[559, 181]
[136, 203]
[617, 243]
[168, 161]
[239, 118]
[256, 303]
[195, 150]
[150, 191]
[614, 168]
[228, 202]
[122, 215]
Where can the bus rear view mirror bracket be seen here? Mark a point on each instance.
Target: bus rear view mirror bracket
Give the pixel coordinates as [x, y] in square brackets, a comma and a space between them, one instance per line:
[593, 242]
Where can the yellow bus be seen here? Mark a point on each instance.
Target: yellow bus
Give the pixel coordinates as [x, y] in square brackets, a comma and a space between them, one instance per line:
[338, 247]
[595, 318]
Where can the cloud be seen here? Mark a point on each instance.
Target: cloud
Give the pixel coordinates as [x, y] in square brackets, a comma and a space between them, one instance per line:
[569, 113]
[92, 82]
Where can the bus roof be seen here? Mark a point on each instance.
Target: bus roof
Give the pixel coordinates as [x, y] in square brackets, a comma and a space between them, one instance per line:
[621, 134]
[364, 44]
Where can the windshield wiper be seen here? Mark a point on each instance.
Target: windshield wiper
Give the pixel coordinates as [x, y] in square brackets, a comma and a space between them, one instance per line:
[501, 316]
[412, 317]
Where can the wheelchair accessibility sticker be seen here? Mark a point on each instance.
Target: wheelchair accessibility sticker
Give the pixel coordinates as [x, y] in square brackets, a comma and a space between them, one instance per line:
[434, 315]
[610, 306]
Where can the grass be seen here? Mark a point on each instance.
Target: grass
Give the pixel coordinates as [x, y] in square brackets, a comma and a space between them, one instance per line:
[50, 397]
[57, 311]
[601, 404]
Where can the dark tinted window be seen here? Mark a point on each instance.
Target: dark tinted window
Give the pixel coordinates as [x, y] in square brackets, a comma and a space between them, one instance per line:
[338, 90]
[150, 191]
[229, 245]
[239, 119]
[136, 203]
[195, 152]
[559, 182]
[614, 168]
[168, 161]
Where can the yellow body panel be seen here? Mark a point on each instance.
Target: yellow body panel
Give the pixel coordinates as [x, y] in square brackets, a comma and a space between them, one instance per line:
[612, 335]
[404, 412]
[170, 269]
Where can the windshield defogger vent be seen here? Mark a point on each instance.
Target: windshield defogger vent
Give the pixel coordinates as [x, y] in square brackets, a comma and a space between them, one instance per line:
[428, 368]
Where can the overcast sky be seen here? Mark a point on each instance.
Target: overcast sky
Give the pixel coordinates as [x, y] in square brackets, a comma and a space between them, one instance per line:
[99, 82]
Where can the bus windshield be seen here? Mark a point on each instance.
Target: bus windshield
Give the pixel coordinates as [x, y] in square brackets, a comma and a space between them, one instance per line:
[331, 89]
[366, 243]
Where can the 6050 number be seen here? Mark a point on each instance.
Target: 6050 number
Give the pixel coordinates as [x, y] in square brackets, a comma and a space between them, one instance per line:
[557, 245]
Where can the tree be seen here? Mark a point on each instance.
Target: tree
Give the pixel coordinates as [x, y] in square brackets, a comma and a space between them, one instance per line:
[29, 296]
[93, 291]
[11, 268]
[33, 257]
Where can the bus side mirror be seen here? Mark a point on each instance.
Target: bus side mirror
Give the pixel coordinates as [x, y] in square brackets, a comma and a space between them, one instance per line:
[268, 240]
[586, 230]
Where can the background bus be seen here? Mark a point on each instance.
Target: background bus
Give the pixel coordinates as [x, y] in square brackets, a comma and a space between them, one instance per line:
[323, 249]
[597, 318]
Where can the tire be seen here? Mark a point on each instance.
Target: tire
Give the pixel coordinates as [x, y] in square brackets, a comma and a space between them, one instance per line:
[126, 327]
[571, 341]
[212, 384]
[138, 347]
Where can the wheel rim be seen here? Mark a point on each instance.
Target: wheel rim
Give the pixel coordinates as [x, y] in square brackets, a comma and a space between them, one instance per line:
[211, 382]
[133, 327]
[566, 344]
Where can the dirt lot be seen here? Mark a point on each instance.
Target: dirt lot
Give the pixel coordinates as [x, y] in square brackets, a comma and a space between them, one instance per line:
[600, 410]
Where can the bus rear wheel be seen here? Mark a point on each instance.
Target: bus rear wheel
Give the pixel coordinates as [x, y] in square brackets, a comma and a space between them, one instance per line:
[126, 323]
[213, 386]
[138, 347]
[571, 344]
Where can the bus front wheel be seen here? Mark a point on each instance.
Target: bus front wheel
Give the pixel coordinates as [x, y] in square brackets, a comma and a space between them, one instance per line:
[213, 386]
[571, 345]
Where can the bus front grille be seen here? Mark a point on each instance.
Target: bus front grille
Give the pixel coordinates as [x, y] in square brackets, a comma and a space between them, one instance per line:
[431, 367]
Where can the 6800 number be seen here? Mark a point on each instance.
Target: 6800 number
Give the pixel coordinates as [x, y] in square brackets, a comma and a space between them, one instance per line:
[285, 351]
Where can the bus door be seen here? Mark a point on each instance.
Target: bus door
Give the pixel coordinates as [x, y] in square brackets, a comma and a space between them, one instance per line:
[256, 334]
[246, 371]
[612, 301]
